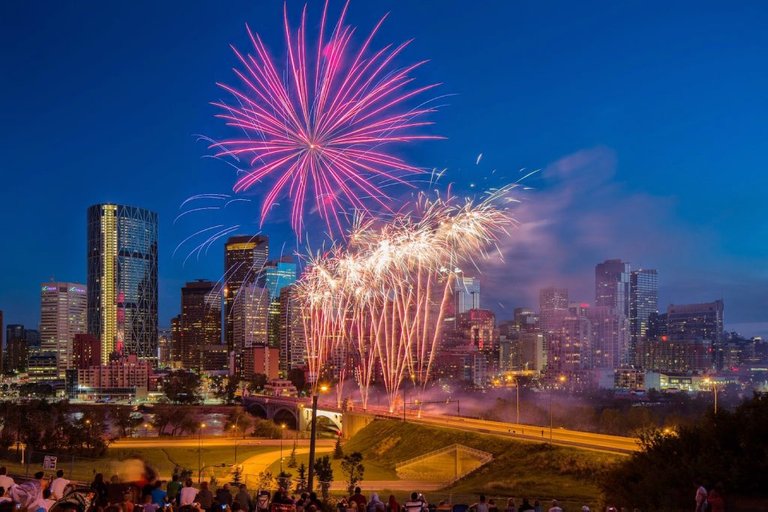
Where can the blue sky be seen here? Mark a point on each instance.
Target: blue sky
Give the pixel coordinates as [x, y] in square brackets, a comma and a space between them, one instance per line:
[647, 118]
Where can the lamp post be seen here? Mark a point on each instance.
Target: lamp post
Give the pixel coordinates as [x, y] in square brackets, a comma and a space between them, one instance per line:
[282, 432]
[199, 452]
[312, 434]
[560, 379]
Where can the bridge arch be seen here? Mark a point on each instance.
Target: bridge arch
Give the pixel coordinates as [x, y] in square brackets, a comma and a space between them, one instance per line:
[286, 416]
[258, 410]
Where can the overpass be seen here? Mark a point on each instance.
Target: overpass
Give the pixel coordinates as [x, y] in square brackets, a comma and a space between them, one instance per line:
[297, 413]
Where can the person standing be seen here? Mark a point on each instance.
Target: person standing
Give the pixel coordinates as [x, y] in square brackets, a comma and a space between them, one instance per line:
[392, 504]
[715, 499]
[526, 506]
[159, 496]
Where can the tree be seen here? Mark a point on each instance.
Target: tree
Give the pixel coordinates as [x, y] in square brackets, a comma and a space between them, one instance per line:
[338, 453]
[353, 469]
[266, 481]
[719, 448]
[182, 387]
[257, 383]
[163, 416]
[292, 457]
[297, 378]
[226, 389]
[266, 429]
[324, 473]
[124, 420]
[238, 422]
[301, 481]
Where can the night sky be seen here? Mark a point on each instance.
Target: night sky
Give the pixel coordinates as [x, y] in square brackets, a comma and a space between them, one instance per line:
[648, 120]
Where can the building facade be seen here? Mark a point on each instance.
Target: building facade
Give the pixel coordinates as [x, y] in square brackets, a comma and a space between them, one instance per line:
[122, 280]
[250, 325]
[612, 285]
[63, 308]
[200, 325]
[244, 260]
[643, 302]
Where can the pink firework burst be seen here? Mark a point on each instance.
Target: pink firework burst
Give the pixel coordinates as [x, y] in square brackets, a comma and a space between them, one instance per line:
[319, 131]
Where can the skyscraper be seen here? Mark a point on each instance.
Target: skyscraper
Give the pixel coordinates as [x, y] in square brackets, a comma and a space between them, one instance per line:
[643, 301]
[62, 315]
[277, 274]
[612, 285]
[122, 280]
[553, 306]
[467, 294]
[292, 344]
[15, 348]
[244, 260]
[200, 323]
[609, 337]
[250, 324]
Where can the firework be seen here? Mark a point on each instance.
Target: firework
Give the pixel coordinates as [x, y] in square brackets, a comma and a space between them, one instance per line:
[385, 294]
[320, 130]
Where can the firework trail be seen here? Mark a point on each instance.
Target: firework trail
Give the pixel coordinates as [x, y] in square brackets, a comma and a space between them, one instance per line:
[320, 130]
[385, 294]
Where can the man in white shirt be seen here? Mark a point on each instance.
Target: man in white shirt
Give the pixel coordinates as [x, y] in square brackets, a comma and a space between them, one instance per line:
[59, 485]
[187, 494]
[6, 482]
[555, 507]
[701, 498]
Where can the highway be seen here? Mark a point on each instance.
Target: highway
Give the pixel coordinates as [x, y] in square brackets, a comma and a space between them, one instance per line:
[208, 441]
[560, 436]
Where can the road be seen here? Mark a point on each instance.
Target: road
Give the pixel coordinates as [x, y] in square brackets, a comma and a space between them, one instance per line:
[210, 441]
[560, 436]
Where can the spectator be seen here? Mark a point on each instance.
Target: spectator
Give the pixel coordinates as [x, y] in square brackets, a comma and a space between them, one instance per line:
[480, 506]
[187, 494]
[100, 491]
[127, 504]
[525, 506]
[701, 498]
[59, 485]
[223, 496]
[205, 497]
[173, 488]
[149, 505]
[358, 498]
[715, 499]
[262, 501]
[159, 496]
[392, 504]
[375, 505]
[6, 482]
[536, 506]
[555, 507]
[414, 504]
[511, 505]
[3, 496]
[244, 498]
[313, 501]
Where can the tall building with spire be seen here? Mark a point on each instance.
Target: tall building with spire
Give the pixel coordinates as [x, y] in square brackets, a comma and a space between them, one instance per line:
[122, 280]
[244, 260]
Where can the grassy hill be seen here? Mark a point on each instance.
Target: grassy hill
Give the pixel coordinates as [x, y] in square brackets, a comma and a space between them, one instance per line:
[518, 469]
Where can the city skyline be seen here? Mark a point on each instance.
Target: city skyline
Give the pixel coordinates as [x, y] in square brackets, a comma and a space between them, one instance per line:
[647, 193]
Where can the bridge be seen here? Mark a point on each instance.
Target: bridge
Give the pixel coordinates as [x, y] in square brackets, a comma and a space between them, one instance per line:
[295, 413]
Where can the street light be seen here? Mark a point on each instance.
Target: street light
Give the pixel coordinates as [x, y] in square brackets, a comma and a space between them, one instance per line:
[199, 451]
[282, 431]
[714, 389]
[313, 431]
[560, 379]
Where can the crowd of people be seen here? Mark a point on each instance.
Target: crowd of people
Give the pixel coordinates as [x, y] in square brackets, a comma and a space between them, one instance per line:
[57, 494]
